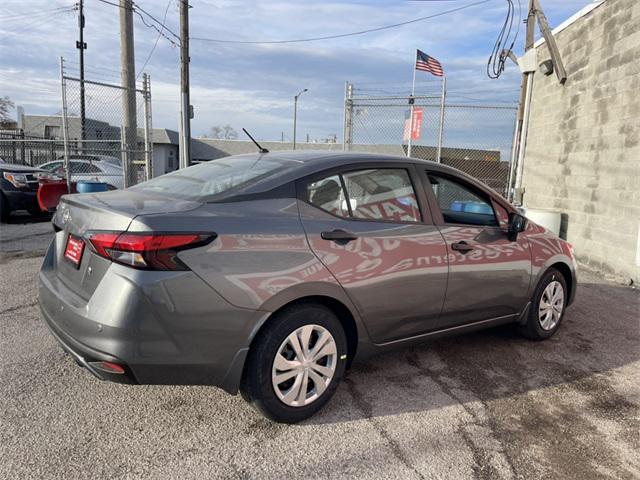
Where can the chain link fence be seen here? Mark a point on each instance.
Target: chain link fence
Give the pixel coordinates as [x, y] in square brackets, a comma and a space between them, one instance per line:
[97, 136]
[474, 138]
[112, 124]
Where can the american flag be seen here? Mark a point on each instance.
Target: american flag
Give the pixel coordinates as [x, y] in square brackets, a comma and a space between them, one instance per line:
[428, 64]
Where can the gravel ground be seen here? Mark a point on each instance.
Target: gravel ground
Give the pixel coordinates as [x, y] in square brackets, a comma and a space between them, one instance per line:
[488, 405]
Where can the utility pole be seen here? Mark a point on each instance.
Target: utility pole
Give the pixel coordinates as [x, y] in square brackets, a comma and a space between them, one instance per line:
[185, 105]
[558, 66]
[128, 80]
[528, 45]
[82, 46]
[534, 12]
[527, 77]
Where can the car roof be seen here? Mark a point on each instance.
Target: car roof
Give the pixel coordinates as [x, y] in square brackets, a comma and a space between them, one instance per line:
[309, 162]
[318, 160]
[18, 168]
[100, 163]
[304, 163]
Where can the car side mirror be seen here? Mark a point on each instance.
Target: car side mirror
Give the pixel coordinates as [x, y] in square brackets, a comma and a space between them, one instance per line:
[517, 224]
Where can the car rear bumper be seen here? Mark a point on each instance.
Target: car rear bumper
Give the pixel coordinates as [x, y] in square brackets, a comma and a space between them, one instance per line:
[166, 328]
[85, 356]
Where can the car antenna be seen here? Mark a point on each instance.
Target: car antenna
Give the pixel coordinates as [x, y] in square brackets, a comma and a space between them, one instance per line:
[262, 150]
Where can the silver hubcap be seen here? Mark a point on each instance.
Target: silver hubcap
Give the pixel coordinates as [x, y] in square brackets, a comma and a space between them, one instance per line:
[304, 365]
[551, 305]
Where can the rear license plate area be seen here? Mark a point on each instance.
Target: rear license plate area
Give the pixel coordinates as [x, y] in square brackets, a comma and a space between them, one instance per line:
[74, 250]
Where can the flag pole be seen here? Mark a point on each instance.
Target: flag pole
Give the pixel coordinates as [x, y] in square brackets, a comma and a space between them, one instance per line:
[413, 101]
[441, 129]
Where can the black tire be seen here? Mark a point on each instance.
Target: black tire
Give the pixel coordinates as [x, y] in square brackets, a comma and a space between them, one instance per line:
[533, 328]
[5, 211]
[257, 384]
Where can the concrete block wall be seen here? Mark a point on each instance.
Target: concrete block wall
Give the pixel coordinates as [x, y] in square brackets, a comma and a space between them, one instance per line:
[582, 155]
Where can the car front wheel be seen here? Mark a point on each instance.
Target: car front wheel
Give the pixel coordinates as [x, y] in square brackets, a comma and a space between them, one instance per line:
[296, 363]
[547, 306]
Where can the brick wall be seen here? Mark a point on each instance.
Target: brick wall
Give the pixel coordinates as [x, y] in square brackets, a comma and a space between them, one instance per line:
[583, 148]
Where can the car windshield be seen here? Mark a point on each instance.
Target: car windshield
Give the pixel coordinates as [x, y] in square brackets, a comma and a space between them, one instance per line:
[216, 179]
[51, 166]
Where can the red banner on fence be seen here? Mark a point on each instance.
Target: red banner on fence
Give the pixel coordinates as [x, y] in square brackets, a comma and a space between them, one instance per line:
[417, 125]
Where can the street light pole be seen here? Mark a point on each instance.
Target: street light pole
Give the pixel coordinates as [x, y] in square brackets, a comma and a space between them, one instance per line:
[295, 115]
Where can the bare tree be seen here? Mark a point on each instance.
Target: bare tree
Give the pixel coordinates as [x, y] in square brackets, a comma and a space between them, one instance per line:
[226, 132]
[216, 132]
[6, 105]
[229, 133]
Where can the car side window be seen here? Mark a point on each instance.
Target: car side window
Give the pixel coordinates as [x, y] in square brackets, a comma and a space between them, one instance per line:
[328, 195]
[382, 194]
[462, 203]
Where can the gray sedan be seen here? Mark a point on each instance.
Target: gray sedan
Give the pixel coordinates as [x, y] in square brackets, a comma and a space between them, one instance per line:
[270, 273]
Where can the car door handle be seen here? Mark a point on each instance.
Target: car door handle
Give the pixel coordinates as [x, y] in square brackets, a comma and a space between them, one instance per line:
[462, 247]
[338, 236]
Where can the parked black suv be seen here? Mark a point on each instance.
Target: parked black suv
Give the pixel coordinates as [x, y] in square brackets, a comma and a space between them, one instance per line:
[18, 189]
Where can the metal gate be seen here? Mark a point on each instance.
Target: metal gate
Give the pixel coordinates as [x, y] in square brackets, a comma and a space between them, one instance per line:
[474, 138]
[95, 125]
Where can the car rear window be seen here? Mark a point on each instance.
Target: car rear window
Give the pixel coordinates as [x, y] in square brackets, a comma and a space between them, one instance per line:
[217, 179]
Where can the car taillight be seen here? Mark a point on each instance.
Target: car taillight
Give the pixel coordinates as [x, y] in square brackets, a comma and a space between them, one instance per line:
[150, 251]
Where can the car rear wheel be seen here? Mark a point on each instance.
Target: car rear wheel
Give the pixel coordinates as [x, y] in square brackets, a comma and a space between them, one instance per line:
[296, 363]
[4, 209]
[547, 307]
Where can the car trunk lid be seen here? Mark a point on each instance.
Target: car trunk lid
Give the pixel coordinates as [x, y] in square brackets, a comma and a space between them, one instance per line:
[78, 215]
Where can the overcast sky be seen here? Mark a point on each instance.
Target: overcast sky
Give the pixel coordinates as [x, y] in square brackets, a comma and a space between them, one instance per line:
[253, 86]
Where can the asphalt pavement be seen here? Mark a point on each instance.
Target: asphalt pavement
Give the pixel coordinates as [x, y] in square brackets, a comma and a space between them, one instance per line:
[489, 405]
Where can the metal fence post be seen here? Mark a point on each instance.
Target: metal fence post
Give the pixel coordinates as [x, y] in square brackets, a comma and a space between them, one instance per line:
[23, 155]
[65, 131]
[14, 154]
[348, 117]
[344, 116]
[148, 132]
[126, 165]
[441, 127]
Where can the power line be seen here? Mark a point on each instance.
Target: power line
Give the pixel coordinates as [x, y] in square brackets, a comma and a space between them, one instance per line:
[111, 3]
[329, 37]
[138, 7]
[40, 13]
[160, 32]
[36, 22]
[138, 10]
[499, 54]
[156, 42]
